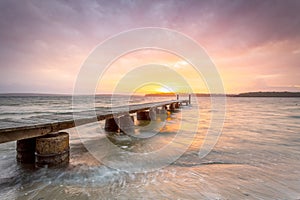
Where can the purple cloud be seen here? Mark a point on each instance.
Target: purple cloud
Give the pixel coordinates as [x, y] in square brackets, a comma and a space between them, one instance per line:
[47, 34]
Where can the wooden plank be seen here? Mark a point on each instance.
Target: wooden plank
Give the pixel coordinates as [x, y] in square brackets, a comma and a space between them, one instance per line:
[25, 132]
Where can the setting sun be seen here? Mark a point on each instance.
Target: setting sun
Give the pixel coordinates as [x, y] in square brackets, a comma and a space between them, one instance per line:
[152, 88]
[164, 90]
[151, 71]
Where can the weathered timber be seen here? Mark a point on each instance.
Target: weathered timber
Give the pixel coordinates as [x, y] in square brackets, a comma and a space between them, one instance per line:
[30, 131]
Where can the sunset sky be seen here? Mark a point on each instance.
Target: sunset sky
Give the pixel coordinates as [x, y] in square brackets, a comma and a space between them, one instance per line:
[255, 45]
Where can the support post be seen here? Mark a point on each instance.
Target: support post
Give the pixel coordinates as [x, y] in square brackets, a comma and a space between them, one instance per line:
[52, 150]
[26, 150]
[152, 113]
[172, 106]
[190, 99]
[143, 115]
[111, 125]
[126, 124]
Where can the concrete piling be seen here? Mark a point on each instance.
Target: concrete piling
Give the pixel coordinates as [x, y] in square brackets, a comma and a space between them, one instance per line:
[172, 106]
[26, 150]
[52, 150]
[111, 125]
[152, 113]
[143, 115]
[126, 123]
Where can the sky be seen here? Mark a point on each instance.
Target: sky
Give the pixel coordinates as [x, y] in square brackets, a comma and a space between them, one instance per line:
[255, 45]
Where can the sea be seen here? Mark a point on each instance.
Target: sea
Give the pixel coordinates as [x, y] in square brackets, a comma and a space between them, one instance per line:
[256, 154]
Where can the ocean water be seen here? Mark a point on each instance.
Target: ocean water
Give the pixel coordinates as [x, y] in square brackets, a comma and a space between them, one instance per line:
[257, 155]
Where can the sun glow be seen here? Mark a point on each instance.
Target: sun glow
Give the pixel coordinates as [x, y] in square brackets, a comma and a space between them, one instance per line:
[152, 88]
[164, 90]
[168, 74]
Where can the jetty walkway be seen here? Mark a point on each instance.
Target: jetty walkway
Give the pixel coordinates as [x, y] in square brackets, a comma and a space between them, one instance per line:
[44, 144]
[30, 131]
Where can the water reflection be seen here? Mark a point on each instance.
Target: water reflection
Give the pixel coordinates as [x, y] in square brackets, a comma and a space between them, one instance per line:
[256, 157]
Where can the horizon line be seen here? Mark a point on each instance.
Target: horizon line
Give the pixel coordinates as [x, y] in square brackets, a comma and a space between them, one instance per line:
[142, 94]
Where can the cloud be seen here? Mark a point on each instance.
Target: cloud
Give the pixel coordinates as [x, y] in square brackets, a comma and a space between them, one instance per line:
[57, 35]
[181, 64]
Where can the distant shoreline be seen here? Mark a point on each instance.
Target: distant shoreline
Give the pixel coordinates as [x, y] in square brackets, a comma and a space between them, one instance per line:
[267, 94]
[246, 94]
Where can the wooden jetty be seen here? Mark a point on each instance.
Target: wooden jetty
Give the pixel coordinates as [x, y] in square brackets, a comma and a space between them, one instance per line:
[31, 137]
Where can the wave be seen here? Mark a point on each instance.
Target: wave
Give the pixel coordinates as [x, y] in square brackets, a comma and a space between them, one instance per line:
[294, 116]
[206, 163]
